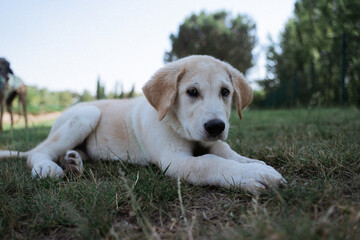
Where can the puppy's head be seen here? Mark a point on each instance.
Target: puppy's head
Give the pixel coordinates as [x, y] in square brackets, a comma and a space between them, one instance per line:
[196, 93]
[5, 68]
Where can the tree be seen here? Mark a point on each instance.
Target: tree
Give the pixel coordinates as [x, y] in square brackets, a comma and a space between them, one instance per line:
[122, 93]
[65, 99]
[100, 90]
[131, 94]
[308, 59]
[42, 100]
[33, 96]
[218, 35]
[86, 96]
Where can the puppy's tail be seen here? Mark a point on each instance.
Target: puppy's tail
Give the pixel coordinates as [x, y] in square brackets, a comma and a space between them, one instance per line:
[12, 154]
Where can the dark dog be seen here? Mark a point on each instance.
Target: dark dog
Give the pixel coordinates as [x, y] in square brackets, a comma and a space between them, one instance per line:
[9, 90]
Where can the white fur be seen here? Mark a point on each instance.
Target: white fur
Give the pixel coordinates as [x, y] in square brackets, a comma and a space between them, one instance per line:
[129, 130]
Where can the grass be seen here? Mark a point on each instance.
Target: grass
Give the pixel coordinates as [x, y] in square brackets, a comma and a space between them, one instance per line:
[317, 151]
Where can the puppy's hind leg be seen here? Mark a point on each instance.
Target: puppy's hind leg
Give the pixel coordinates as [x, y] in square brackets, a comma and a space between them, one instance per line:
[69, 130]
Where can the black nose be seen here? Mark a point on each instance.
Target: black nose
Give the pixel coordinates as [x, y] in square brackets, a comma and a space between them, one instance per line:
[214, 127]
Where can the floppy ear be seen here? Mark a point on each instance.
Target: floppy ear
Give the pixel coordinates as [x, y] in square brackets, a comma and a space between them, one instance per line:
[242, 91]
[161, 89]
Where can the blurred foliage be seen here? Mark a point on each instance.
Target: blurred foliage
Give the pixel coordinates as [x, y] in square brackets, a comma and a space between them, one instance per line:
[320, 41]
[42, 100]
[122, 93]
[100, 90]
[218, 35]
[258, 98]
[86, 96]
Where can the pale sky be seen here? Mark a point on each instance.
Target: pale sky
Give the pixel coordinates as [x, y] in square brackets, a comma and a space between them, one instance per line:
[67, 44]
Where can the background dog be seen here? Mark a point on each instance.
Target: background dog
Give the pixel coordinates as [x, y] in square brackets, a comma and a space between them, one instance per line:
[10, 87]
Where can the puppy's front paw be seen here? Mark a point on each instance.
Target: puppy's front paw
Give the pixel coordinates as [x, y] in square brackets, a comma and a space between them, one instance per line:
[242, 159]
[257, 177]
[47, 168]
[72, 162]
[256, 161]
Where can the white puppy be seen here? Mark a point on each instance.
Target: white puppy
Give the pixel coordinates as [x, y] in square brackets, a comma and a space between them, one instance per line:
[180, 126]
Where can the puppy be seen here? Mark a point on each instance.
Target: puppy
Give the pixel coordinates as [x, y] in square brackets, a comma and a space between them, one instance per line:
[180, 125]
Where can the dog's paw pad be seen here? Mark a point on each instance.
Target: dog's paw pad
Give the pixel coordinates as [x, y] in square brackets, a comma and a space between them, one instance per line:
[72, 162]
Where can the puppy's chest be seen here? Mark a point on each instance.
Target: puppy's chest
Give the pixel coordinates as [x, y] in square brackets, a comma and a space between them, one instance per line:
[199, 150]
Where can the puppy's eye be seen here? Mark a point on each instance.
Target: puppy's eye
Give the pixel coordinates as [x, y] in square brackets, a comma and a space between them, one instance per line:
[192, 92]
[225, 92]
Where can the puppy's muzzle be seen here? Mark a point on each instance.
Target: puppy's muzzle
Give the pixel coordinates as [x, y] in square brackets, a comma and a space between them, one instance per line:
[214, 127]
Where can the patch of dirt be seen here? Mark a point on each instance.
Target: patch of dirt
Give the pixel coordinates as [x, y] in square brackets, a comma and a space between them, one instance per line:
[31, 117]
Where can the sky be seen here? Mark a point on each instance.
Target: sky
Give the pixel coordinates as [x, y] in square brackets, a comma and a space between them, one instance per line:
[67, 44]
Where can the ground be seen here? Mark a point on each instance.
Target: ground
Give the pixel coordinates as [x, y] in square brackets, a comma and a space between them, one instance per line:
[32, 118]
[316, 150]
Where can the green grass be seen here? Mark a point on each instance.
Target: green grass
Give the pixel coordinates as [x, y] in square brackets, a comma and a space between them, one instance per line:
[317, 151]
